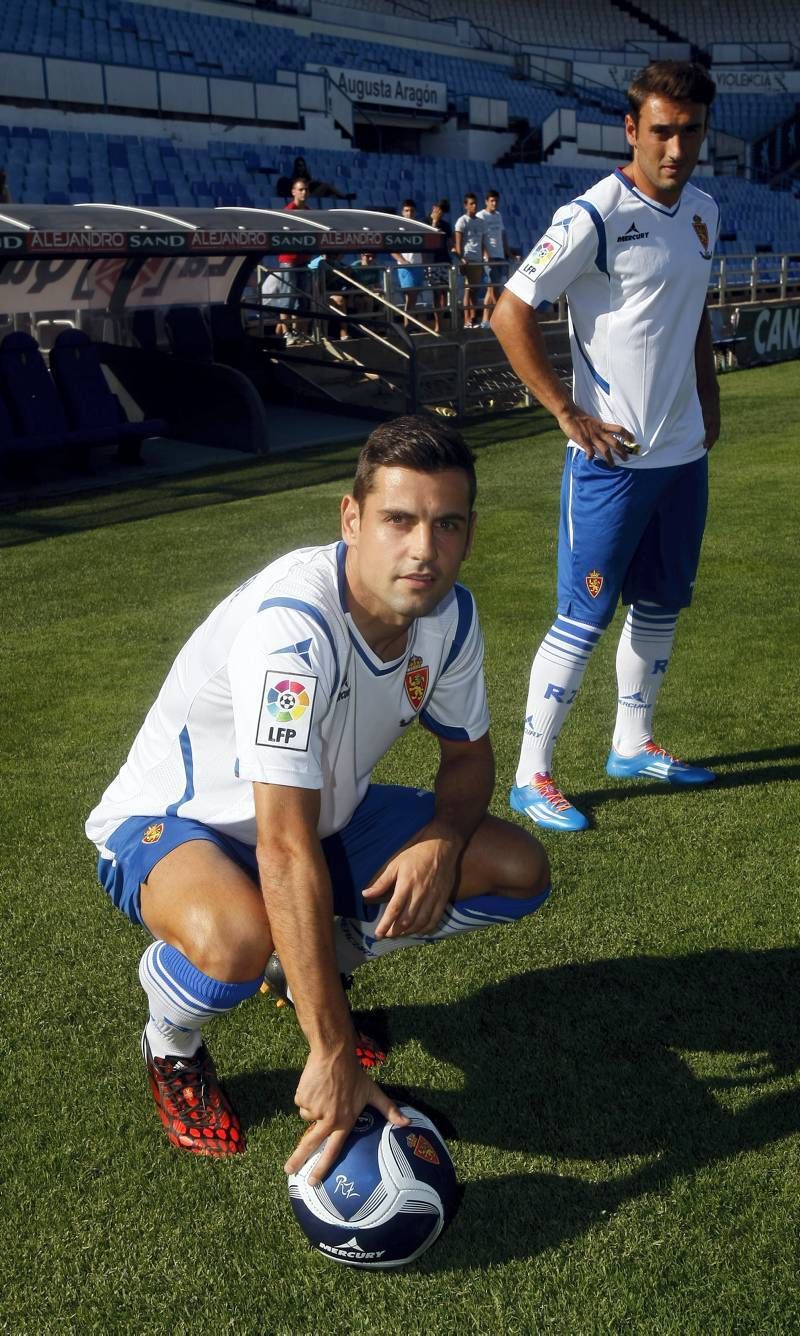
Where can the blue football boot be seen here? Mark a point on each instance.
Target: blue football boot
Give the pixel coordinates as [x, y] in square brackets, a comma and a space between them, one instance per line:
[545, 805]
[653, 762]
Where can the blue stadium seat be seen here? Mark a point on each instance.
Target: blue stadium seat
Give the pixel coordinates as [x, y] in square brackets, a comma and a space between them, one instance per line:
[36, 409]
[91, 406]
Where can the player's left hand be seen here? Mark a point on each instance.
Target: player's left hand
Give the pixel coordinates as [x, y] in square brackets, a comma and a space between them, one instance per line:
[711, 420]
[419, 881]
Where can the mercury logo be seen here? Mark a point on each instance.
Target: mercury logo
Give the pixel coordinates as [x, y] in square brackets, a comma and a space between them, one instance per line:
[633, 234]
[350, 1249]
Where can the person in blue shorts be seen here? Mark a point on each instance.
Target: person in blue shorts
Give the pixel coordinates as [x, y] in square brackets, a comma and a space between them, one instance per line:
[410, 274]
[633, 255]
[243, 830]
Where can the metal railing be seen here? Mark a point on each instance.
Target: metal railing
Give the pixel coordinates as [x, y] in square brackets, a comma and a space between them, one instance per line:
[451, 369]
[754, 277]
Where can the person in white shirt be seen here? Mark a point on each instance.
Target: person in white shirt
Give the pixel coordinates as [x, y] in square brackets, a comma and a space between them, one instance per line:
[244, 821]
[498, 250]
[469, 244]
[633, 256]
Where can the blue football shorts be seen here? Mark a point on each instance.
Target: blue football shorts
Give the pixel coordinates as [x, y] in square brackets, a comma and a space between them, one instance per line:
[386, 819]
[629, 533]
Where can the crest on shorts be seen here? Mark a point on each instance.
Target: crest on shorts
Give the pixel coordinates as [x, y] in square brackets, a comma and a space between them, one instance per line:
[701, 231]
[594, 583]
[416, 681]
[153, 833]
[422, 1148]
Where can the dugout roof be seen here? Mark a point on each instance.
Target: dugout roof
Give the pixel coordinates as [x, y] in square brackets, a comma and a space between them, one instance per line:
[28, 231]
[62, 257]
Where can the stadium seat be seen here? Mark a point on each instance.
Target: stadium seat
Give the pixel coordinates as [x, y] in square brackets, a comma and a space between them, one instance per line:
[90, 404]
[18, 451]
[37, 411]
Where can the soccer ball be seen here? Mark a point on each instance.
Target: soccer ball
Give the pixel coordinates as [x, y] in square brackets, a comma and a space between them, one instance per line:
[386, 1199]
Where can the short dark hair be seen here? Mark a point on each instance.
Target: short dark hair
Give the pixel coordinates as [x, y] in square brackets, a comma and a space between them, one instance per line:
[679, 80]
[298, 180]
[492, 194]
[470, 195]
[408, 204]
[419, 441]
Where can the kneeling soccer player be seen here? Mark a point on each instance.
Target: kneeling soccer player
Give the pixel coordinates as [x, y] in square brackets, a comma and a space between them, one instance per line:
[244, 821]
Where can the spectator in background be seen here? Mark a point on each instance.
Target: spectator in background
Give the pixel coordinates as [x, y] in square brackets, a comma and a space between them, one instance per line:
[470, 247]
[5, 191]
[295, 272]
[499, 252]
[319, 189]
[410, 275]
[437, 273]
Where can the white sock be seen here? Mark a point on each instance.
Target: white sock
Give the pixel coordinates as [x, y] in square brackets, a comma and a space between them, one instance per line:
[556, 674]
[182, 998]
[356, 941]
[643, 654]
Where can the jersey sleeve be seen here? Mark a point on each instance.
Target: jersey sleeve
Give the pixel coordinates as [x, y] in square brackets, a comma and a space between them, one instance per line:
[571, 245]
[283, 674]
[457, 708]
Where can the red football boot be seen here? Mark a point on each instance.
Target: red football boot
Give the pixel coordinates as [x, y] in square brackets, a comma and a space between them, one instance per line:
[192, 1105]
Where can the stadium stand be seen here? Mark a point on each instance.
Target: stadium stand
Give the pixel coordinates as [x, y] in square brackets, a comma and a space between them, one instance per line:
[575, 23]
[155, 38]
[83, 130]
[69, 167]
[705, 24]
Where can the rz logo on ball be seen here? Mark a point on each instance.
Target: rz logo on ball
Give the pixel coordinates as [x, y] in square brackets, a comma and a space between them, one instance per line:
[287, 700]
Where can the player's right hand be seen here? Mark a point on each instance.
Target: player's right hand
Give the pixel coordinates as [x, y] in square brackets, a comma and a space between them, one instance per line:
[608, 440]
[332, 1091]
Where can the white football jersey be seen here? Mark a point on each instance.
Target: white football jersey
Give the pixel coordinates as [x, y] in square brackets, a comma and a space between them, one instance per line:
[635, 274]
[278, 686]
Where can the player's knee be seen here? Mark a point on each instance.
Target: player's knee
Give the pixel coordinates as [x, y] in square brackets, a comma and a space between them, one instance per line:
[232, 947]
[526, 868]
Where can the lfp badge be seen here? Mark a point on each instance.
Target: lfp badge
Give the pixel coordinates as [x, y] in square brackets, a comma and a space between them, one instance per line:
[287, 707]
[416, 681]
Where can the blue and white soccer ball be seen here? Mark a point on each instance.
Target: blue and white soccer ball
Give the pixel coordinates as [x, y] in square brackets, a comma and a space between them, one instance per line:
[387, 1198]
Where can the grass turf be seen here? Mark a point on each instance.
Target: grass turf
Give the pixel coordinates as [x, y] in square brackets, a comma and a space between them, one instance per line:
[622, 1070]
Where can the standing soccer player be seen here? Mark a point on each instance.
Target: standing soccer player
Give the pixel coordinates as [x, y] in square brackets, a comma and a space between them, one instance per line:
[633, 256]
[244, 819]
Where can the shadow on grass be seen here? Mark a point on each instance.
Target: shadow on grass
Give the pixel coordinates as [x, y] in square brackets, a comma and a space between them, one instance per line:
[30, 518]
[672, 1061]
[778, 772]
[120, 496]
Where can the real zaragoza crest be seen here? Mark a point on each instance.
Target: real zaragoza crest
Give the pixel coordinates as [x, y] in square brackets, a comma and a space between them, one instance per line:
[701, 232]
[594, 583]
[416, 681]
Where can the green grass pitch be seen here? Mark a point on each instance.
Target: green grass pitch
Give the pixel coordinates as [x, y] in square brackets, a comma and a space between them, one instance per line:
[623, 1069]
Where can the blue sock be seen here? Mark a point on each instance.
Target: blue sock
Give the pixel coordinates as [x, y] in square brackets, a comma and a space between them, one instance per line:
[182, 998]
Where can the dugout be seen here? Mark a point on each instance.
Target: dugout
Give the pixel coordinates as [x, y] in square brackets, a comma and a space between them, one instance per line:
[163, 299]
